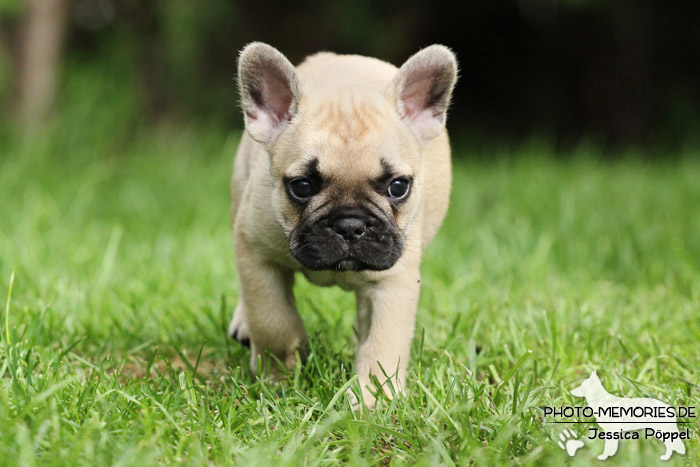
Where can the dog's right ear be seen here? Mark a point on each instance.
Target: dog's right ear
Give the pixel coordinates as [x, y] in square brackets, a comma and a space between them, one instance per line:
[269, 89]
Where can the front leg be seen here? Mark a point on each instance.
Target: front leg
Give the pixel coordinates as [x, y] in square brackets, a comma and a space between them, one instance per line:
[266, 304]
[386, 322]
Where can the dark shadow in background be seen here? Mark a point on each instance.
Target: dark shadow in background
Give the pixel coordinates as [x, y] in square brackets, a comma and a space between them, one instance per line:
[619, 72]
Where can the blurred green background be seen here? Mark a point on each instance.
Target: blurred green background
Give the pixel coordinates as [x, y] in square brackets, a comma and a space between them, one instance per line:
[622, 73]
[571, 243]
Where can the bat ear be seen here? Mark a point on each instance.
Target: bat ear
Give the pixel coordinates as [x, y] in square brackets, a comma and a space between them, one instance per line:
[422, 89]
[269, 89]
[594, 375]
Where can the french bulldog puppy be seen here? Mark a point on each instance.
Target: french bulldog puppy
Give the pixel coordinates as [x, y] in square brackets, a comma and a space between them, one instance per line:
[343, 174]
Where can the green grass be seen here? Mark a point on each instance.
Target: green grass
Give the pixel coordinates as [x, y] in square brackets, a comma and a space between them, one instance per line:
[114, 351]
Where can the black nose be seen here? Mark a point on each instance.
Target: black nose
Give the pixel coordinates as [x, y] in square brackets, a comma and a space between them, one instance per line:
[350, 228]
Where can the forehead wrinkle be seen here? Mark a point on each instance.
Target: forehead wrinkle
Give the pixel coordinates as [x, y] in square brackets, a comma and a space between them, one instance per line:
[345, 116]
[350, 133]
[352, 165]
[303, 165]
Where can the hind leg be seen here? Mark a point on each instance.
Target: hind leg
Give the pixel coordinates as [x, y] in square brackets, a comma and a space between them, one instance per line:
[669, 450]
[672, 446]
[609, 450]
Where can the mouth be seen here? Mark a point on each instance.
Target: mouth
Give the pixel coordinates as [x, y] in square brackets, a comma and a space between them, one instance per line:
[338, 256]
[351, 264]
[347, 264]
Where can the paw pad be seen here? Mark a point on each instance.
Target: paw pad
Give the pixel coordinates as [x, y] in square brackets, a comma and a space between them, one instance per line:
[569, 442]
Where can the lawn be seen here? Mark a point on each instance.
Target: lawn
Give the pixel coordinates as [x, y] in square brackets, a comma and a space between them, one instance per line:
[113, 347]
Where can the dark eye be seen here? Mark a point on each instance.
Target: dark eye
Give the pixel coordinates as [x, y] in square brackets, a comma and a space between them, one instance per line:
[398, 188]
[300, 189]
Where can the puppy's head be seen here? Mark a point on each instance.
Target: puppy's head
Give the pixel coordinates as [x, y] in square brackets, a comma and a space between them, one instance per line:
[346, 162]
[588, 387]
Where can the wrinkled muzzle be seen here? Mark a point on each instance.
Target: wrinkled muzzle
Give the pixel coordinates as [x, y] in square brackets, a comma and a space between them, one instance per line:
[347, 239]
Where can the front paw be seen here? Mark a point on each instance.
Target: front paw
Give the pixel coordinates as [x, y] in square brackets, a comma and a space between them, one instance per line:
[238, 329]
[279, 363]
[368, 399]
[374, 389]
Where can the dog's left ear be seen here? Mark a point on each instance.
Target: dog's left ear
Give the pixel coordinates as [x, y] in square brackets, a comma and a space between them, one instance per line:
[423, 88]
